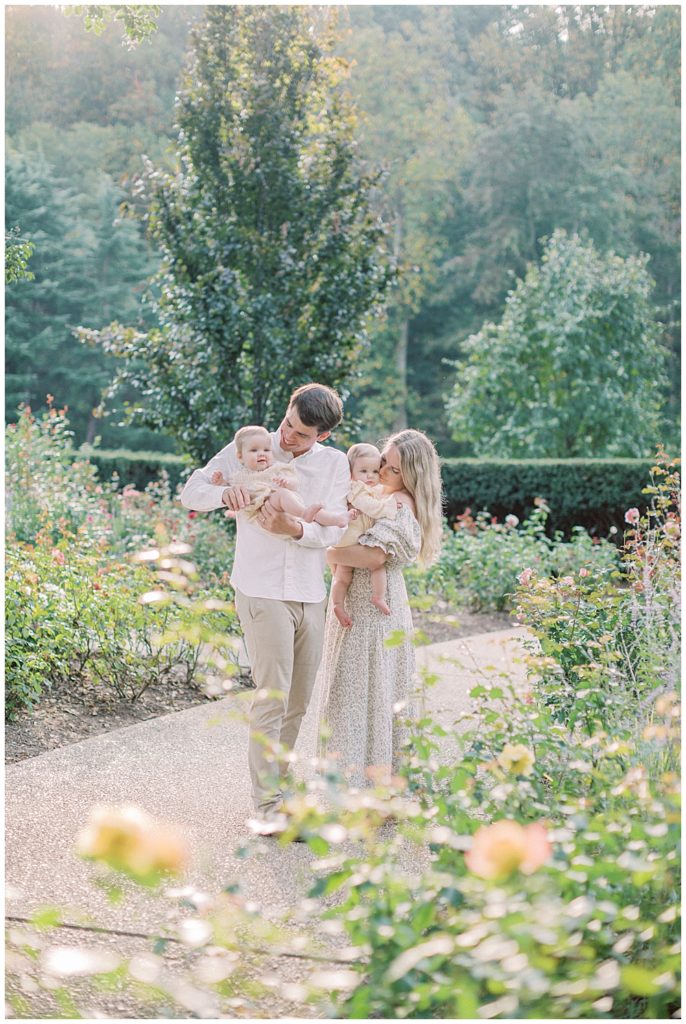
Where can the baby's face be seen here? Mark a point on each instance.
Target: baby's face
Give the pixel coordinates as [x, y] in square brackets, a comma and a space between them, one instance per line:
[256, 452]
[366, 469]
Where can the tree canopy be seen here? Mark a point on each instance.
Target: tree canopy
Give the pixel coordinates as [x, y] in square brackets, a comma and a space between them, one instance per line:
[572, 367]
[271, 258]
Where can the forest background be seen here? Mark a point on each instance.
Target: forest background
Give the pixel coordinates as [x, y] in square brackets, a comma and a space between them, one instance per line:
[496, 126]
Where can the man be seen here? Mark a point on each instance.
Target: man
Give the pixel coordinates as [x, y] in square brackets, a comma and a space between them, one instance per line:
[278, 576]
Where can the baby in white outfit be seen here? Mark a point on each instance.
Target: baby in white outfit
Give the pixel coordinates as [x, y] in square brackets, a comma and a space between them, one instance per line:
[368, 501]
[264, 478]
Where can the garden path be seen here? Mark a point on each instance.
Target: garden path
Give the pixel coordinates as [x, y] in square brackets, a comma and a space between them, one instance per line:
[189, 768]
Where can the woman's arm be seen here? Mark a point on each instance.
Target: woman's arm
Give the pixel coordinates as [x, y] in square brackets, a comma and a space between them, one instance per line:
[357, 556]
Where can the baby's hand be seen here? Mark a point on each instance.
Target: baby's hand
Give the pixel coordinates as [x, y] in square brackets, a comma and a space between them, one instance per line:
[282, 481]
[218, 478]
[353, 513]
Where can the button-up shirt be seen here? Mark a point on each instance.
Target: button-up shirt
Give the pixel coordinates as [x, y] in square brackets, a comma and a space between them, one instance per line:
[273, 565]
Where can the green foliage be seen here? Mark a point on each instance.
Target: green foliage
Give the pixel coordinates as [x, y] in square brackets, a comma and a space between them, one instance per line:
[79, 606]
[416, 123]
[18, 252]
[610, 631]
[551, 885]
[481, 559]
[136, 468]
[590, 492]
[82, 270]
[572, 367]
[138, 20]
[272, 260]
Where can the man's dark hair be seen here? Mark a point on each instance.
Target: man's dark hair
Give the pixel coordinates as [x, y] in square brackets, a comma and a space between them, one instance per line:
[317, 406]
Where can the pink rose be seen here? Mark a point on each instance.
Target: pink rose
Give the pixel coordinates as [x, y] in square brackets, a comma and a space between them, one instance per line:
[584, 572]
[506, 846]
[58, 556]
[632, 516]
[525, 577]
[511, 521]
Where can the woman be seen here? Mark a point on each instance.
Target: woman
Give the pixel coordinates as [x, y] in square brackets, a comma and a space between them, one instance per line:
[367, 686]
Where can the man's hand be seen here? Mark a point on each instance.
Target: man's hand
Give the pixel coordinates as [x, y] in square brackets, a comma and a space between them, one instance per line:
[279, 522]
[236, 498]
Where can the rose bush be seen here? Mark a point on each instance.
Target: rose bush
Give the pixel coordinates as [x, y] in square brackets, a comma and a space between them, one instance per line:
[73, 608]
[481, 559]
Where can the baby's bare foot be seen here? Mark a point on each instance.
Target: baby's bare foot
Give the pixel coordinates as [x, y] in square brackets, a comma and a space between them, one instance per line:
[310, 512]
[379, 603]
[342, 616]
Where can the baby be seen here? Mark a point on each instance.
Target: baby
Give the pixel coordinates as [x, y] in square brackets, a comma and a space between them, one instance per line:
[369, 502]
[277, 481]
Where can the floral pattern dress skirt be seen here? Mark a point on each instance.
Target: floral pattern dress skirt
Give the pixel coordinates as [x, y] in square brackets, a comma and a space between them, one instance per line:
[366, 693]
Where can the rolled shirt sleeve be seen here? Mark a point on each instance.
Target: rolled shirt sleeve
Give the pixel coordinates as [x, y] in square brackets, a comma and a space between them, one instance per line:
[200, 494]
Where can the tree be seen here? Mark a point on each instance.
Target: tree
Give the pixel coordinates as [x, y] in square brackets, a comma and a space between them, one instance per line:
[574, 366]
[138, 20]
[83, 268]
[272, 260]
[415, 124]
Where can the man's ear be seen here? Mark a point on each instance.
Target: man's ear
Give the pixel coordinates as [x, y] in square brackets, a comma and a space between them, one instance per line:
[323, 437]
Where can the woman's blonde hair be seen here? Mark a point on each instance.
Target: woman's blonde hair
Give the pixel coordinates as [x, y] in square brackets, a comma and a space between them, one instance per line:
[356, 451]
[421, 472]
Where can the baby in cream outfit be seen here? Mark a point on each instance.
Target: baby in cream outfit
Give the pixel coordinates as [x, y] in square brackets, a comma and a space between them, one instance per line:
[368, 501]
[264, 478]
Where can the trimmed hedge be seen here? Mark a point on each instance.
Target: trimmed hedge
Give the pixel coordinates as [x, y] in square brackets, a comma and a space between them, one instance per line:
[137, 468]
[594, 493]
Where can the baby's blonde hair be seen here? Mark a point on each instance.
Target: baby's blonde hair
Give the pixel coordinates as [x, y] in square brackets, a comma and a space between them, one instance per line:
[421, 474]
[242, 435]
[356, 451]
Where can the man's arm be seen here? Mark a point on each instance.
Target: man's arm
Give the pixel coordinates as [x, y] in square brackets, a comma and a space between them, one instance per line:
[316, 536]
[312, 535]
[200, 494]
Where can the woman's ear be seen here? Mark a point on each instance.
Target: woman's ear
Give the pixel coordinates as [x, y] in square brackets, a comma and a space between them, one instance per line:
[323, 437]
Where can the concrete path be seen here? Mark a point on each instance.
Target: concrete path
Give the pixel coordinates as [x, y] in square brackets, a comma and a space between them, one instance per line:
[189, 768]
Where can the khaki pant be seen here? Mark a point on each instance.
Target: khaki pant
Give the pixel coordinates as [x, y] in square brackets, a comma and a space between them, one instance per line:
[284, 641]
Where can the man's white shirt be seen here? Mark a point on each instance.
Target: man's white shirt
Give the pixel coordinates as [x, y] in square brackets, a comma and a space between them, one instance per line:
[272, 565]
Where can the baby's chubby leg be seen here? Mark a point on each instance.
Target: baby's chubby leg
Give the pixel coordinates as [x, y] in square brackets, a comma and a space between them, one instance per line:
[378, 597]
[284, 500]
[342, 578]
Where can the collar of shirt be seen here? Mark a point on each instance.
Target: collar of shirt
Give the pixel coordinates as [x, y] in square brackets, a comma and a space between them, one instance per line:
[284, 456]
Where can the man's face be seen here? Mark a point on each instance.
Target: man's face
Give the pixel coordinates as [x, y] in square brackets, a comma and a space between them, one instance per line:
[294, 436]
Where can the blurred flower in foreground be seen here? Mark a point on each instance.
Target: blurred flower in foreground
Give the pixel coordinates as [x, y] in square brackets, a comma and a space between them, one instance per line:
[506, 846]
[632, 516]
[129, 840]
[525, 577]
[516, 758]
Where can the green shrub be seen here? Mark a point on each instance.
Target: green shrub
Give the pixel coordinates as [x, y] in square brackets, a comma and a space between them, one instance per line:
[136, 468]
[579, 492]
[481, 559]
[608, 631]
[76, 617]
[73, 612]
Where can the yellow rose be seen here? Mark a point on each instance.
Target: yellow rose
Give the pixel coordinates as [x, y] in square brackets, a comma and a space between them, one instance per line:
[516, 758]
[127, 839]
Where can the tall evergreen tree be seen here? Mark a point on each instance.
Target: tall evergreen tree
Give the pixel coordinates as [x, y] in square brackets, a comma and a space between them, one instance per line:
[83, 268]
[272, 260]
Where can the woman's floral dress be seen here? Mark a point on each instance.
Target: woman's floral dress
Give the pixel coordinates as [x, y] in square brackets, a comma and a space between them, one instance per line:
[367, 686]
